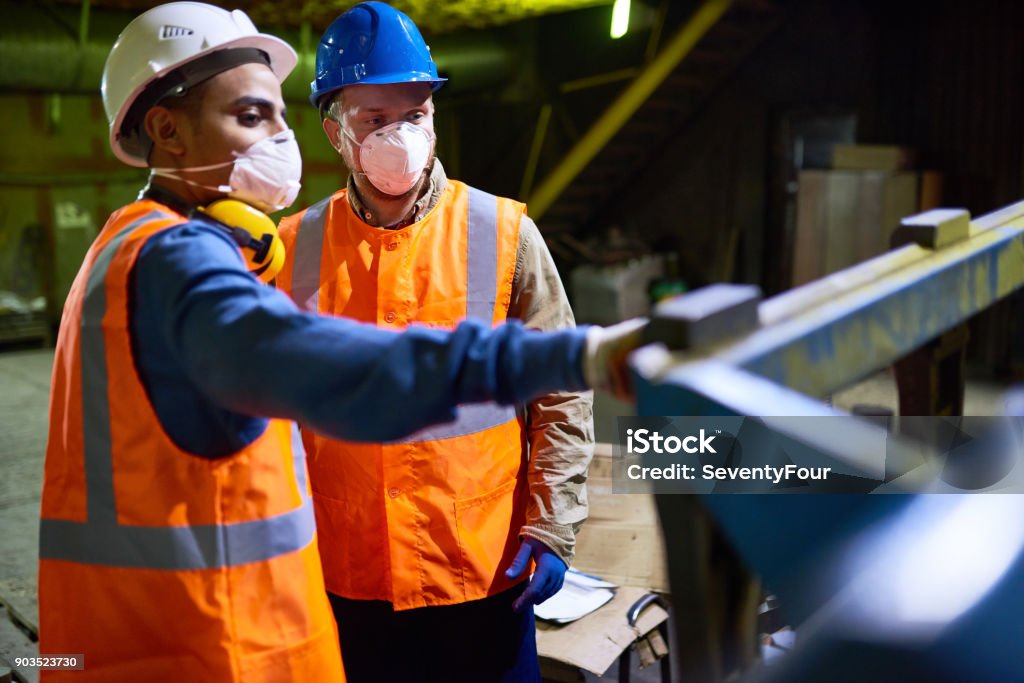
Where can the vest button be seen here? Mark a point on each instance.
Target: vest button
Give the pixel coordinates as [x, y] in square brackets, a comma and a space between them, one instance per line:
[392, 246]
[389, 317]
[393, 492]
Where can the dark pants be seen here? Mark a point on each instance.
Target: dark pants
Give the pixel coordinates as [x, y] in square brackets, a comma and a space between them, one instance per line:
[482, 641]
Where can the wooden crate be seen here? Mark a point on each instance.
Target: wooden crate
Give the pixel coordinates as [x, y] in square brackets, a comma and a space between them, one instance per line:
[845, 217]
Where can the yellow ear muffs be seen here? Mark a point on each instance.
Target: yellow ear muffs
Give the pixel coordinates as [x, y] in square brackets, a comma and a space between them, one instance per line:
[254, 232]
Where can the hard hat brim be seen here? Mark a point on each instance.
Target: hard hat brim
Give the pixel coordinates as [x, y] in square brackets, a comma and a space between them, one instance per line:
[382, 79]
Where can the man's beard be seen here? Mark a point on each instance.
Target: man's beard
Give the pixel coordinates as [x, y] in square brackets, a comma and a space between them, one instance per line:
[371, 192]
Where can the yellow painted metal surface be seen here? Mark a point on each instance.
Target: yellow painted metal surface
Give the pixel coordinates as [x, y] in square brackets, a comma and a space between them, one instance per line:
[823, 336]
[626, 105]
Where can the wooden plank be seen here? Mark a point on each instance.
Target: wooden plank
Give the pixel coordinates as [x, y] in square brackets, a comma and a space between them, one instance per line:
[842, 213]
[809, 236]
[900, 200]
[872, 157]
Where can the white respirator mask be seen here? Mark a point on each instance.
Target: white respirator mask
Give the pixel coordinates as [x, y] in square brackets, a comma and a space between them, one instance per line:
[266, 175]
[393, 157]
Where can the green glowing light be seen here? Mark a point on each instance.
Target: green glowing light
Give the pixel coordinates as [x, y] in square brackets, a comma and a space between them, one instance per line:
[620, 18]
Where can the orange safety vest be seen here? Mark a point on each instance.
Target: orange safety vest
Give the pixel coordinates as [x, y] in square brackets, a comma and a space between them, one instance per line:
[156, 564]
[434, 518]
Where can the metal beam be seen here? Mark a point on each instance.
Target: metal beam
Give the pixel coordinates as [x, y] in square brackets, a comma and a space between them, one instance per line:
[825, 335]
[539, 134]
[810, 549]
[598, 79]
[613, 118]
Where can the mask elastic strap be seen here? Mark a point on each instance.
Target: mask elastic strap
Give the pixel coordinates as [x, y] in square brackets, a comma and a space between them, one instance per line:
[428, 135]
[344, 131]
[209, 167]
[170, 173]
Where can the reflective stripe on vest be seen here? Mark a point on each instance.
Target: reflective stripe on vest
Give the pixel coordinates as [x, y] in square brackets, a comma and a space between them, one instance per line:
[481, 296]
[102, 540]
[309, 250]
[482, 256]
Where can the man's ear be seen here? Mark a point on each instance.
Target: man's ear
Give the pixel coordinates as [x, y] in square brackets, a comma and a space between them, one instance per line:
[333, 130]
[161, 126]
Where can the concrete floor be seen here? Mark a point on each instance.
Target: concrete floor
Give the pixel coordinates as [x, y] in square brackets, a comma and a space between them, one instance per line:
[25, 378]
[25, 382]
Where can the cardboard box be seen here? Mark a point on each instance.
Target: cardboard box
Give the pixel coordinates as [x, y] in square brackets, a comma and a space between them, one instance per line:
[872, 157]
[845, 217]
[596, 641]
[621, 541]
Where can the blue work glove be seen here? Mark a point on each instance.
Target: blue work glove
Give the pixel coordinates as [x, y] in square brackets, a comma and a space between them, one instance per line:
[547, 577]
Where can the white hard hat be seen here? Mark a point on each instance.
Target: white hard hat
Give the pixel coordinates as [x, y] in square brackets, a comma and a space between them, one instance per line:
[166, 38]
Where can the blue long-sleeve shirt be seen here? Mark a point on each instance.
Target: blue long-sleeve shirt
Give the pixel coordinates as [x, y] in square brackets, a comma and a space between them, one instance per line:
[219, 352]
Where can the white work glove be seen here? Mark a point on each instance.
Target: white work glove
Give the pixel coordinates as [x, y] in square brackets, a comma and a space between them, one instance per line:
[604, 362]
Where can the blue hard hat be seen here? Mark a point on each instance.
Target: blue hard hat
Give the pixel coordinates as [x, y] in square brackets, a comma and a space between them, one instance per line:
[371, 43]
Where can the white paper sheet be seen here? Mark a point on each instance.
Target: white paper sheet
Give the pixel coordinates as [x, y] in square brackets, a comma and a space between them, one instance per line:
[580, 595]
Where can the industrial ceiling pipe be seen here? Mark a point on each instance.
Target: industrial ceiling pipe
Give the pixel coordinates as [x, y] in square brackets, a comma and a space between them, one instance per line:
[62, 49]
